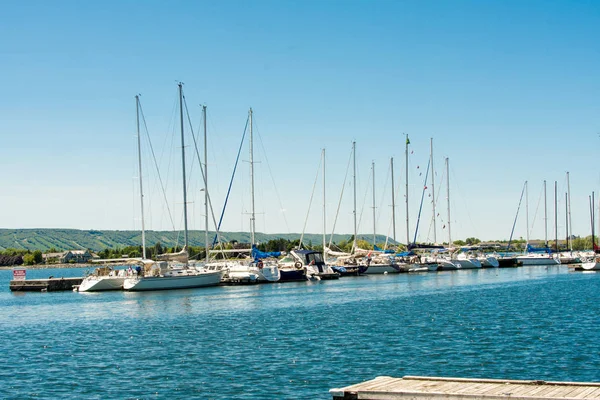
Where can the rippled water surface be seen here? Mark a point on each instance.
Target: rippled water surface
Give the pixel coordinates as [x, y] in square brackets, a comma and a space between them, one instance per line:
[298, 340]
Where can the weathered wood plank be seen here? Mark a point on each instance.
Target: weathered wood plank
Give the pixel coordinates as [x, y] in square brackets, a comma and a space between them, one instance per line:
[411, 387]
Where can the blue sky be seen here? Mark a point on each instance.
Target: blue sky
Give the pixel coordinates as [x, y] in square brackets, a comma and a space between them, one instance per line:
[508, 90]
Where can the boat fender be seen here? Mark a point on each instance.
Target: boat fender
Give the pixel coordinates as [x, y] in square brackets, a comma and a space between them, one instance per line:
[298, 264]
[259, 265]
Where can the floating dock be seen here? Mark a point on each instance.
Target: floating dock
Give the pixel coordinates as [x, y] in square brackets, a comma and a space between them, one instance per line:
[44, 285]
[430, 388]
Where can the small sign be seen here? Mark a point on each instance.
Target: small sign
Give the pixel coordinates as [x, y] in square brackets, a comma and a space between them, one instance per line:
[19, 274]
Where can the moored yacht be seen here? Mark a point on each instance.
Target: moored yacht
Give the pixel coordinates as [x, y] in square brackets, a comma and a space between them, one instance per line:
[162, 276]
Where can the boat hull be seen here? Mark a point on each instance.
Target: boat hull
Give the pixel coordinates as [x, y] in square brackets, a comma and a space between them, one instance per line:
[537, 261]
[269, 274]
[489, 262]
[101, 283]
[375, 269]
[468, 263]
[172, 282]
[588, 266]
[292, 274]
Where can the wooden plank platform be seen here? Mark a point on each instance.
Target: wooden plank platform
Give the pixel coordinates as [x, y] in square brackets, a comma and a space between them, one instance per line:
[45, 285]
[424, 388]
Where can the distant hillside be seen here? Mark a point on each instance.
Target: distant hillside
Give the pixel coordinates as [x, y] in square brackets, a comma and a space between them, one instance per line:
[71, 239]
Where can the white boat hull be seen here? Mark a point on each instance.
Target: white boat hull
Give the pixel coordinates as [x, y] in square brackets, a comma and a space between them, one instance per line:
[101, 283]
[589, 266]
[468, 263]
[269, 273]
[489, 262]
[194, 280]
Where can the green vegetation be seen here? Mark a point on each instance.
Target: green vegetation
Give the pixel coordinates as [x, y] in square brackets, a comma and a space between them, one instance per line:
[25, 246]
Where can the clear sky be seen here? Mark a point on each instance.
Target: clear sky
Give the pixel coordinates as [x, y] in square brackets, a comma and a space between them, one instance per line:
[508, 90]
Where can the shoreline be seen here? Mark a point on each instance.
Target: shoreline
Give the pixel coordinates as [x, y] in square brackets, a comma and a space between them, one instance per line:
[49, 266]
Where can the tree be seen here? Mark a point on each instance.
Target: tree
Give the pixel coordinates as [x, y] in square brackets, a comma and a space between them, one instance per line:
[472, 240]
[37, 257]
[28, 259]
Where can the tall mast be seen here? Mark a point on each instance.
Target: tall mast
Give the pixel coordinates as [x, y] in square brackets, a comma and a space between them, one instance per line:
[206, 244]
[448, 197]
[374, 223]
[527, 210]
[406, 197]
[354, 187]
[545, 217]
[252, 216]
[592, 205]
[183, 165]
[555, 217]
[570, 242]
[567, 219]
[324, 208]
[139, 145]
[433, 191]
[393, 202]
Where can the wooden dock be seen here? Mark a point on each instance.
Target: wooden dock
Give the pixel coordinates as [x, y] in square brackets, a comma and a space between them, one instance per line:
[431, 388]
[44, 285]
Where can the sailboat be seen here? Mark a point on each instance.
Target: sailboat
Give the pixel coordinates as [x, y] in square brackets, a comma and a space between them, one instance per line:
[254, 269]
[594, 263]
[536, 256]
[461, 260]
[107, 278]
[347, 263]
[174, 272]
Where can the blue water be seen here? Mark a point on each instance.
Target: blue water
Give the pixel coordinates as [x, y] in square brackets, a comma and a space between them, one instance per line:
[298, 340]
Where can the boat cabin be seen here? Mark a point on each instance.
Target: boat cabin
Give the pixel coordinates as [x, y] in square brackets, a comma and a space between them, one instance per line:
[310, 257]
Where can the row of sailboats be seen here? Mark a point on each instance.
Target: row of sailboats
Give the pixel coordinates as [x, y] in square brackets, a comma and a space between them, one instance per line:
[172, 271]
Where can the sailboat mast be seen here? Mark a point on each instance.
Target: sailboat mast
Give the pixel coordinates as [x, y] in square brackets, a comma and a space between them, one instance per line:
[433, 190]
[354, 187]
[252, 216]
[593, 220]
[448, 197]
[206, 244]
[555, 216]
[374, 222]
[185, 221]
[570, 242]
[324, 208]
[567, 219]
[139, 146]
[545, 217]
[406, 189]
[393, 201]
[527, 210]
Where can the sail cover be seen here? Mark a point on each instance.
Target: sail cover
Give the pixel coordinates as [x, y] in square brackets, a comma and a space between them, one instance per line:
[257, 254]
[531, 249]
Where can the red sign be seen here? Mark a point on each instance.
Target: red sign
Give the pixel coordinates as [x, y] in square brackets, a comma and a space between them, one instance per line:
[19, 274]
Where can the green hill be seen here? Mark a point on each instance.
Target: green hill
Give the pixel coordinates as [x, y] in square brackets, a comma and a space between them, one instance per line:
[72, 239]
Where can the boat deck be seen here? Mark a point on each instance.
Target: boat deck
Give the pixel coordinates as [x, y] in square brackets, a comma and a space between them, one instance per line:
[420, 387]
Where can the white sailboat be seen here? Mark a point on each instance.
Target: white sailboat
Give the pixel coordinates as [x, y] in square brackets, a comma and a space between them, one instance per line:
[461, 260]
[252, 269]
[107, 278]
[170, 275]
[536, 258]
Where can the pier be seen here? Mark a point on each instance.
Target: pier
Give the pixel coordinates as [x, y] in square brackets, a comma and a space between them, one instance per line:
[431, 388]
[44, 285]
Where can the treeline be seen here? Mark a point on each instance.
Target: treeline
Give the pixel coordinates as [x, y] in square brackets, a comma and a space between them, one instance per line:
[19, 257]
[12, 256]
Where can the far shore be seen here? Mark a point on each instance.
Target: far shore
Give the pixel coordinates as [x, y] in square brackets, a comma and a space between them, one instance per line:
[50, 266]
